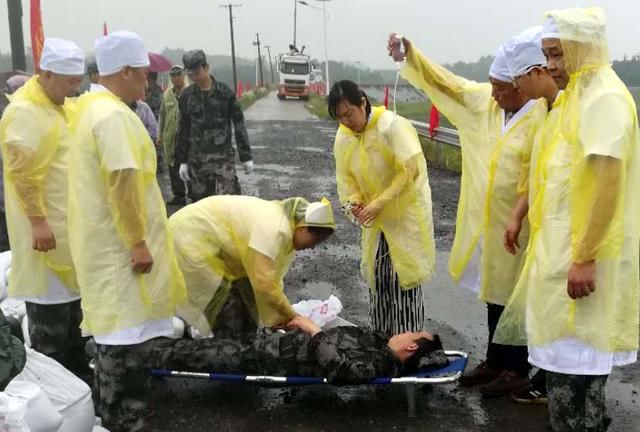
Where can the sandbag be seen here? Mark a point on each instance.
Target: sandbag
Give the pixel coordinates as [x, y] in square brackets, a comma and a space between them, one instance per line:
[25, 331]
[70, 396]
[26, 408]
[15, 309]
[5, 265]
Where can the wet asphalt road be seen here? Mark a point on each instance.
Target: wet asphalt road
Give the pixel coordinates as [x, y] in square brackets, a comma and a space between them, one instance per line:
[293, 157]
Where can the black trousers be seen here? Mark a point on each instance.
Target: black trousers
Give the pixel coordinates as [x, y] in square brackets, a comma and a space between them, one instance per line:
[506, 357]
[177, 186]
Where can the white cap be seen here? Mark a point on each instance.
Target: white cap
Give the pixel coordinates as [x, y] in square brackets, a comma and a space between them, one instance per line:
[16, 81]
[319, 214]
[62, 57]
[120, 49]
[550, 29]
[499, 69]
[524, 51]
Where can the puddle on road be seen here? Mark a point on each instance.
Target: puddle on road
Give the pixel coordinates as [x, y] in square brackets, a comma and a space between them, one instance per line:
[284, 169]
[311, 149]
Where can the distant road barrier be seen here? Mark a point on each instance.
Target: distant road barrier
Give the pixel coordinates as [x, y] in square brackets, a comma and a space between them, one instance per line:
[442, 134]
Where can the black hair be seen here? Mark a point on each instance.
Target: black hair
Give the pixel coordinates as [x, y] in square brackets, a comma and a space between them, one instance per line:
[153, 75]
[349, 91]
[428, 355]
[322, 232]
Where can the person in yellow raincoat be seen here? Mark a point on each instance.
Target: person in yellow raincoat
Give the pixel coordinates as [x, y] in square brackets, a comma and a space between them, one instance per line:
[382, 178]
[496, 123]
[119, 235]
[528, 68]
[581, 273]
[34, 140]
[234, 252]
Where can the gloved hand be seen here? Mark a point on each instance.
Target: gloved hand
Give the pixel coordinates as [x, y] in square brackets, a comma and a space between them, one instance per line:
[248, 166]
[183, 172]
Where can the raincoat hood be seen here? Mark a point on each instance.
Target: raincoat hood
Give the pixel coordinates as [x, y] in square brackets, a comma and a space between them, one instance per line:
[301, 213]
[583, 37]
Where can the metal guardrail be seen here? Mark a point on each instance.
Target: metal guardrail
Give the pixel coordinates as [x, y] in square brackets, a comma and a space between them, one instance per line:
[443, 135]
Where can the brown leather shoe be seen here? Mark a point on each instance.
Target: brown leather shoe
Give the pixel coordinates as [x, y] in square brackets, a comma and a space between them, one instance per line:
[507, 383]
[482, 374]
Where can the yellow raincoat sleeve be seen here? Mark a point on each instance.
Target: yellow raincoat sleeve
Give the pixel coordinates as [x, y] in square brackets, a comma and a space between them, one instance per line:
[124, 178]
[27, 158]
[525, 158]
[456, 97]
[407, 150]
[268, 289]
[348, 190]
[598, 179]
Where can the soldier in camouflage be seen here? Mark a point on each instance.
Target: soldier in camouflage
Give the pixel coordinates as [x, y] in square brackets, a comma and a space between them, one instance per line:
[580, 402]
[344, 355]
[153, 94]
[12, 353]
[203, 148]
[54, 330]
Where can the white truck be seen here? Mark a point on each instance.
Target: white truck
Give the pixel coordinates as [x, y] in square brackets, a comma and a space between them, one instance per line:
[295, 75]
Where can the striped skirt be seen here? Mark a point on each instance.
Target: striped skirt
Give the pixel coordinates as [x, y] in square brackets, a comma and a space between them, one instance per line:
[393, 310]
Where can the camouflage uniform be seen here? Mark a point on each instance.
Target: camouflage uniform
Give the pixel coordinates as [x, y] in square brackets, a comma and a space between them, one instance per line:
[54, 330]
[153, 98]
[577, 402]
[12, 353]
[344, 355]
[204, 139]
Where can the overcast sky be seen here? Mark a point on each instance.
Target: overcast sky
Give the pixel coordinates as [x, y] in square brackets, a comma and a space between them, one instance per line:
[445, 30]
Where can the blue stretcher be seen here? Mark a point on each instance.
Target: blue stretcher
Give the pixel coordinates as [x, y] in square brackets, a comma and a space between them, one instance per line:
[448, 374]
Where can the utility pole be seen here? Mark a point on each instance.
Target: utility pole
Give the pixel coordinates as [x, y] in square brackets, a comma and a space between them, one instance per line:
[326, 55]
[257, 43]
[295, 21]
[233, 45]
[268, 47]
[18, 59]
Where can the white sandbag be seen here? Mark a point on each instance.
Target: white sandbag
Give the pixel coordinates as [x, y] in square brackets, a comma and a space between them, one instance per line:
[70, 396]
[5, 265]
[25, 331]
[29, 409]
[321, 312]
[16, 309]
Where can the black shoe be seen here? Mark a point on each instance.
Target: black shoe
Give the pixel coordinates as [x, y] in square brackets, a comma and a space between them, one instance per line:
[177, 202]
[530, 396]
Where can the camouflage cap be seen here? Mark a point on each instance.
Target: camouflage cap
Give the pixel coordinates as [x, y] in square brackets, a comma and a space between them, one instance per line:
[193, 59]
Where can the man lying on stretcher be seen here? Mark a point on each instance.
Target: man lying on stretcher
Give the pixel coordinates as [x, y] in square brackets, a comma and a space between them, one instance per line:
[343, 355]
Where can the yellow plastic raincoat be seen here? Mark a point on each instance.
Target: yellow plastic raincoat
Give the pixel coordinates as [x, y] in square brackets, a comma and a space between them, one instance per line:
[169, 120]
[495, 171]
[114, 203]
[586, 201]
[34, 140]
[385, 166]
[222, 239]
